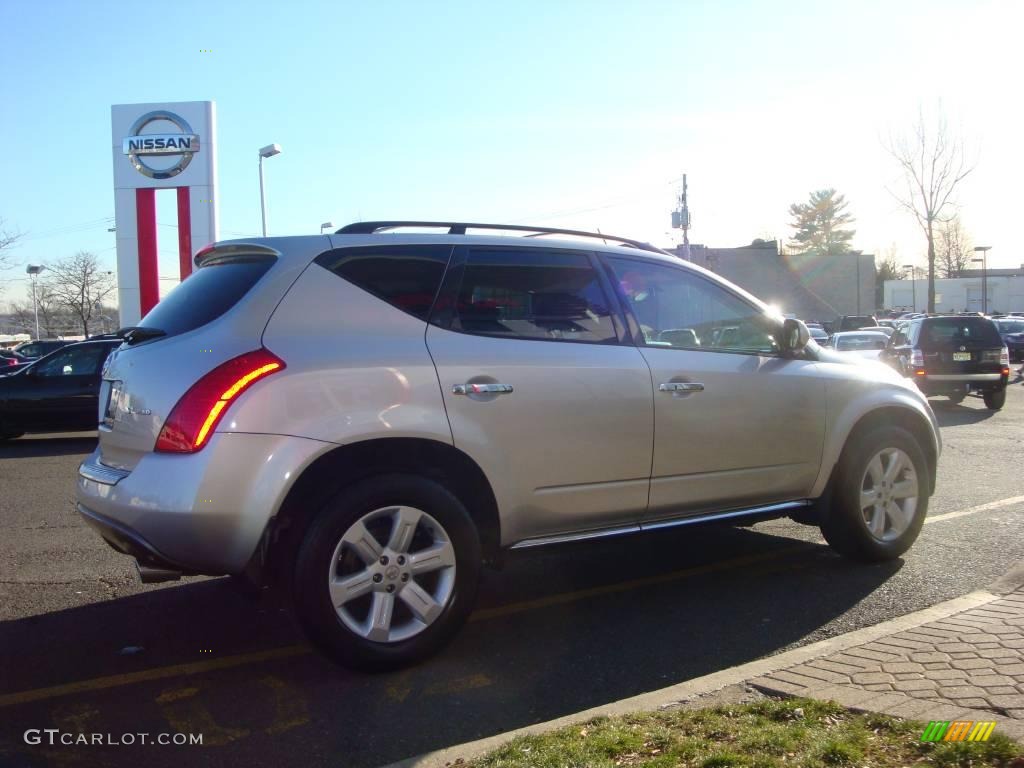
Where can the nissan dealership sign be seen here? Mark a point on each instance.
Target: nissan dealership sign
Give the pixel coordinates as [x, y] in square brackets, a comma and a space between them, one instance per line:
[180, 146]
[160, 147]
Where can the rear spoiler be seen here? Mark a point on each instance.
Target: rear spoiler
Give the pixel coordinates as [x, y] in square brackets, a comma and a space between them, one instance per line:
[216, 253]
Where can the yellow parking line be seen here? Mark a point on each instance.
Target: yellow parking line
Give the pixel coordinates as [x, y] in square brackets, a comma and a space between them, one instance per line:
[145, 675]
[227, 662]
[625, 586]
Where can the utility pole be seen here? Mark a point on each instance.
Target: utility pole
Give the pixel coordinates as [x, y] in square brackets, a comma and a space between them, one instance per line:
[681, 219]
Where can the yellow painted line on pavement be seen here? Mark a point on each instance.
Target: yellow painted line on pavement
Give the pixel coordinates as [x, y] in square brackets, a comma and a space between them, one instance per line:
[145, 675]
[227, 662]
[624, 586]
[975, 510]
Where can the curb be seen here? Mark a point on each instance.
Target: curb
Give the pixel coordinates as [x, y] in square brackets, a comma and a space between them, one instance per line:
[674, 694]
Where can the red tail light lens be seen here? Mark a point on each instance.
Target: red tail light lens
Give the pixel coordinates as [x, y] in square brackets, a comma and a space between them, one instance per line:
[198, 412]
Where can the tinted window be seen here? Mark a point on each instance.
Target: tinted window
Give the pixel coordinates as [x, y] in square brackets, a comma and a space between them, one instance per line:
[531, 294]
[946, 332]
[74, 361]
[407, 277]
[676, 308]
[1010, 326]
[205, 295]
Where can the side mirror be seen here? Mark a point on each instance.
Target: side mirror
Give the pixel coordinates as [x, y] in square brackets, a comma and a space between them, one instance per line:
[795, 335]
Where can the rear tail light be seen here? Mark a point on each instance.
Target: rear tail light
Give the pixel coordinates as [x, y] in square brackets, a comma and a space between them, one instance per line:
[1004, 357]
[917, 358]
[198, 412]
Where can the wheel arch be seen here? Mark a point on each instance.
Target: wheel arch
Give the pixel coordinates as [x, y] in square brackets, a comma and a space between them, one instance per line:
[909, 418]
[350, 463]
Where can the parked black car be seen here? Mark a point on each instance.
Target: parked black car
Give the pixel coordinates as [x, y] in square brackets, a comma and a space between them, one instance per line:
[1012, 331]
[952, 355]
[56, 393]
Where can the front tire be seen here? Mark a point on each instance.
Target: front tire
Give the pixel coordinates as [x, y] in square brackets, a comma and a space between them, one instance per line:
[881, 496]
[387, 572]
[995, 399]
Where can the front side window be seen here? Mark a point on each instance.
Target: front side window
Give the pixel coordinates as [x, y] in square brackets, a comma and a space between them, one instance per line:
[532, 294]
[682, 310]
[76, 361]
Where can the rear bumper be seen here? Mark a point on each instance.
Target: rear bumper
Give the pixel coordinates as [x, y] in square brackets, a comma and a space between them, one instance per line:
[939, 383]
[129, 542]
[196, 513]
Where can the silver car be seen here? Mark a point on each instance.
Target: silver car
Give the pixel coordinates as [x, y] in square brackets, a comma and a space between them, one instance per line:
[368, 418]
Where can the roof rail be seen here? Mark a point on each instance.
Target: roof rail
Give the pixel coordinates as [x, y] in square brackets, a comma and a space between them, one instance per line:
[459, 228]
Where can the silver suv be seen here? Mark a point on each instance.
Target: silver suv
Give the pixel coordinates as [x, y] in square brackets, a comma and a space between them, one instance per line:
[368, 418]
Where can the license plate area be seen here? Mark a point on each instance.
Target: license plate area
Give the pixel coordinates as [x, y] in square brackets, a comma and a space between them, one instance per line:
[961, 357]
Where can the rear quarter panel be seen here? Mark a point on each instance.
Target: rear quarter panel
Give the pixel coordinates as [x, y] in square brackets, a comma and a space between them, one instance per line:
[357, 368]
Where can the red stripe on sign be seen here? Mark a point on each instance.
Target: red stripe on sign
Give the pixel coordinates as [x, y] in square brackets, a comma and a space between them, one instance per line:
[149, 278]
[184, 233]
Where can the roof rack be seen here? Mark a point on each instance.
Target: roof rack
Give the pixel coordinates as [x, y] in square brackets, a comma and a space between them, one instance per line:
[460, 227]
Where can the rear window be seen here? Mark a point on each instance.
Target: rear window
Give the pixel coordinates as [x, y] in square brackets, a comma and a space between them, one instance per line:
[206, 294]
[849, 343]
[947, 332]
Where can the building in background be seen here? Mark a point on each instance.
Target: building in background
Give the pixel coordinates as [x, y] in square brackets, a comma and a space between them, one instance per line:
[810, 287]
[959, 294]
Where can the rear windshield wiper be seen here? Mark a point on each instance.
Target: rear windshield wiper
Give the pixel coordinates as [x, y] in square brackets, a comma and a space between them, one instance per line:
[136, 333]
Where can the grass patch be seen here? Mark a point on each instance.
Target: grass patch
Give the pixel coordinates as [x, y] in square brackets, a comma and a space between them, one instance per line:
[788, 733]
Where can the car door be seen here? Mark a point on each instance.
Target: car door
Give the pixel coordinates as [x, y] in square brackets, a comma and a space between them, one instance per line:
[737, 423]
[62, 389]
[542, 390]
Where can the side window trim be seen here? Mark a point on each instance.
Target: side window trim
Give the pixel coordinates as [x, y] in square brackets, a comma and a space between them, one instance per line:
[451, 284]
[634, 322]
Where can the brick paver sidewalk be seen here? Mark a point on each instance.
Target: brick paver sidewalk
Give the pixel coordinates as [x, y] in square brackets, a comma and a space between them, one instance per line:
[968, 666]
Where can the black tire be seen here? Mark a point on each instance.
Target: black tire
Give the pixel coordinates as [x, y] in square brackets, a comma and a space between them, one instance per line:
[957, 398]
[311, 596]
[995, 399]
[843, 524]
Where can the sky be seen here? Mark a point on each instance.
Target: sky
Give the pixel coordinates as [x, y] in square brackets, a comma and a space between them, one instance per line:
[577, 114]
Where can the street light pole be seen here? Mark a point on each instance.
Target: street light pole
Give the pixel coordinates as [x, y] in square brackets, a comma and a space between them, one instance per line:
[913, 283]
[325, 225]
[984, 275]
[268, 151]
[33, 270]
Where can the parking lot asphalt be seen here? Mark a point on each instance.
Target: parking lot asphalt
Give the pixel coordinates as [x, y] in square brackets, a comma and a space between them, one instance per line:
[87, 649]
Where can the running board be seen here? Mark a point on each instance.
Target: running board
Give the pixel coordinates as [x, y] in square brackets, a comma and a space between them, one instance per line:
[659, 524]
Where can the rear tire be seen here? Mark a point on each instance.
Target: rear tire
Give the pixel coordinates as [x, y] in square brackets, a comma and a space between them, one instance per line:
[879, 503]
[355, 564]
[995, 399]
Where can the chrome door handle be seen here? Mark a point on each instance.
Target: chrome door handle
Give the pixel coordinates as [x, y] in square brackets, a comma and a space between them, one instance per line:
[681, 386]
[481, 389]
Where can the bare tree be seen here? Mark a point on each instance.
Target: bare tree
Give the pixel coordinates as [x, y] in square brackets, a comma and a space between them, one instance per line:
[8, 240]
[52, 317]
[933, 164]
[80, 285]
[953, 249]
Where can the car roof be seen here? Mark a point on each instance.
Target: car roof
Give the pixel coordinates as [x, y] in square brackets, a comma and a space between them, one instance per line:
[860, 333]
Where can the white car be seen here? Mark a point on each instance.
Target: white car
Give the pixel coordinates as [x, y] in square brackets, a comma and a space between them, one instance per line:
[866, 344]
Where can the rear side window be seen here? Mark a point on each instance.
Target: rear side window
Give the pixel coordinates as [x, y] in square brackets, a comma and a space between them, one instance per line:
[947, 332]
[405, 276]
[206, 294]
[531, 293]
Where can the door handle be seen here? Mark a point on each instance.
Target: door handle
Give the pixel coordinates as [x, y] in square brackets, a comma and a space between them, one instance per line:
[481, 389]
[681, 386]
